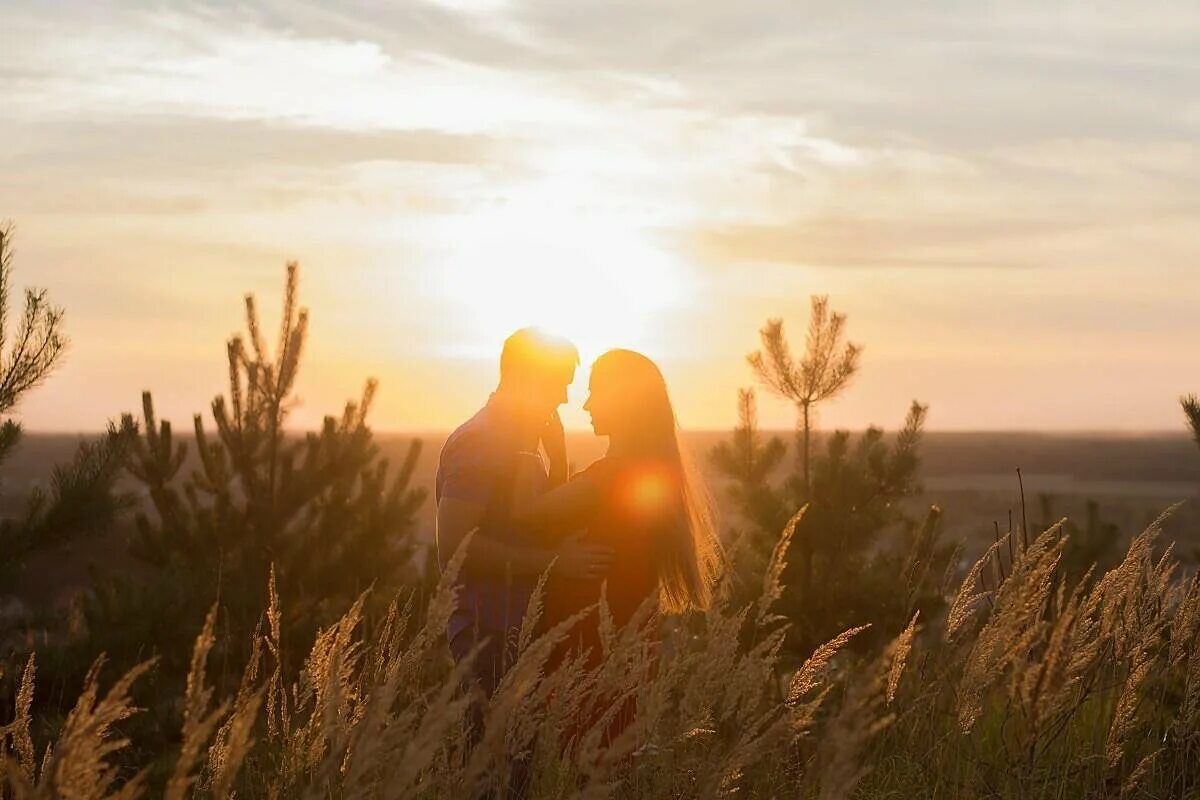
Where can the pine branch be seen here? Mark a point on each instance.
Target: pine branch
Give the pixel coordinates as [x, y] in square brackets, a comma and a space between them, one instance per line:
[40, 342]
[1191, 409]
[10, 437]
[6, 233]
[82, 497]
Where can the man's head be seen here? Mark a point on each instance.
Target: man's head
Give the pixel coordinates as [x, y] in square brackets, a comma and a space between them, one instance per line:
[536, 369]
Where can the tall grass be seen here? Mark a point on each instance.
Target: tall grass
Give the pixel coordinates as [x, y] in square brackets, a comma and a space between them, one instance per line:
[1027, 688]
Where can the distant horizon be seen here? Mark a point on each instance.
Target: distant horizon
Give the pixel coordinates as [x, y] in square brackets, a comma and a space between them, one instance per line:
[1017, 248]
[1114, 433]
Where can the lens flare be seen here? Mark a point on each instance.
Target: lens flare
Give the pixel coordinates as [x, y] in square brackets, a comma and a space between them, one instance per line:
[647, 490]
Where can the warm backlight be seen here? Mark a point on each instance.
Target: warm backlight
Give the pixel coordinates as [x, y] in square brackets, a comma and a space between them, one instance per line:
[646, 492]
[597, 280]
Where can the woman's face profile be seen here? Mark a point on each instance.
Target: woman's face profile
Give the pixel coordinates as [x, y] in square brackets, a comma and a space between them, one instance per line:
[604, 404]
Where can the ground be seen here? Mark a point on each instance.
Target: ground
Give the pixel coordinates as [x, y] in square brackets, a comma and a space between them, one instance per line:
[971, 476]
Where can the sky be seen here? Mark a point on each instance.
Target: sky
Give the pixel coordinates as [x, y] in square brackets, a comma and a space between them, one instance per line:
[1002, 197]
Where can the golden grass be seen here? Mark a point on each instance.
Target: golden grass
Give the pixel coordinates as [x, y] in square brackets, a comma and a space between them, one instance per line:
[1029, 688]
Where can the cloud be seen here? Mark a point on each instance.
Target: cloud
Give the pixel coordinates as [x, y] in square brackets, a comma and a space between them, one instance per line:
[168, 143]
[962, 75]
[222, 65]
[904, 156]
[874, 243]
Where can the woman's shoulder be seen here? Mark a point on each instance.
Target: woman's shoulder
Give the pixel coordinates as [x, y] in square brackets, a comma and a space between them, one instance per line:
[627, 483]
[601, 471]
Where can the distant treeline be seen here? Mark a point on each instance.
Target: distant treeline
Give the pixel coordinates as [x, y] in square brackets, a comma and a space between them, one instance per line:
[1115, 457]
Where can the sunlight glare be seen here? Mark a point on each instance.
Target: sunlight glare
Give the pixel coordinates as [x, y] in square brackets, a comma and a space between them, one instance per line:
[649, 493]
[600, 282]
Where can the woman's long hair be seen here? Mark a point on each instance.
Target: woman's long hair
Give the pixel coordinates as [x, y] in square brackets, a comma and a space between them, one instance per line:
[687, 551]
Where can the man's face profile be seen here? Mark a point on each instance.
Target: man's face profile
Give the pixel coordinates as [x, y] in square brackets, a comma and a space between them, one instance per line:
[537, 368]
[548, 390]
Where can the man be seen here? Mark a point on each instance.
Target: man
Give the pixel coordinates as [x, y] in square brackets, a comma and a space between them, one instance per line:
[474, 489]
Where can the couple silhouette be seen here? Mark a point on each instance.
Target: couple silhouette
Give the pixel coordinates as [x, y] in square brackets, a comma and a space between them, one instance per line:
[635, 524]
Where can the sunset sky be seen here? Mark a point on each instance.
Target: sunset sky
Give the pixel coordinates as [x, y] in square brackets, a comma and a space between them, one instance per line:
[1004, 197]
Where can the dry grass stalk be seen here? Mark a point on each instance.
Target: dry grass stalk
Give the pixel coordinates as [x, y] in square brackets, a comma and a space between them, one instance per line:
[1048, 684]
[384, 717]
[78, 766]
[921, 557]
[1124, 721]
[1187, 723]
[278, 715]
[19, 729]
[811, 673]
[843, 754]
[1139, 774]
[533, 613]
[1016, 625]
[406, 721]
[17, 734]
[199, 719]
[899, 657]
[232, 744]
[968, 601]
[772, 585]
[234, 739]
[1186, 624]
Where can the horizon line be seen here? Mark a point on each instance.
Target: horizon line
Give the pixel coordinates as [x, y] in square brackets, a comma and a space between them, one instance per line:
[430, 431]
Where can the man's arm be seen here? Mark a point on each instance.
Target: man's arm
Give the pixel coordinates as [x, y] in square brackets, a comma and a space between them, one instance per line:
[554, 442]
[487, 557]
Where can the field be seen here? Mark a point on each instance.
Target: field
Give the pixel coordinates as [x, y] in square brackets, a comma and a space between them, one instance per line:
[971, 476]
[1010, 680]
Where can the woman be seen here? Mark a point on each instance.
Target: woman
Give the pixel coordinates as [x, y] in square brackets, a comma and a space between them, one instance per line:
[640, 500]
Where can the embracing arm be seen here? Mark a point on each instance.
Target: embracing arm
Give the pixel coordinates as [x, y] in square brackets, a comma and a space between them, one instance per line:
[563, 504]
[486, 556]
[490, 558]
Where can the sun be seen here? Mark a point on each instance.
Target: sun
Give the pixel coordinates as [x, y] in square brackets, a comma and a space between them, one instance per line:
[600, 281]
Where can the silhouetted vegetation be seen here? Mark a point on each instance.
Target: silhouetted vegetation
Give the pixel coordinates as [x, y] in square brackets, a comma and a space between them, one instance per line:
[319, 519]
[81, 497]
[823, 371]
[854, 556]
[845, 655]
[1093, 543]
[1024, 689]
[1191, 409]
[324, 511]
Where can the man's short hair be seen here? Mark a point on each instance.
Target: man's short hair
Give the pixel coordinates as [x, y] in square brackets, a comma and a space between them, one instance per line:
[531, 352]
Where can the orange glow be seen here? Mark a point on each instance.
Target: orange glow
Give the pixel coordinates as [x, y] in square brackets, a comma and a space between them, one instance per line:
[647, 491]
[440, 197]
[524, 266]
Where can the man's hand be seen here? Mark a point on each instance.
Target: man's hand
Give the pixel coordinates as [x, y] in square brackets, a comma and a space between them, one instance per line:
[580, 561]
[554, 441]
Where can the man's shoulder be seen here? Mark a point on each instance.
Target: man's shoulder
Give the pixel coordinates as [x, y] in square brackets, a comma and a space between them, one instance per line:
[477, 439]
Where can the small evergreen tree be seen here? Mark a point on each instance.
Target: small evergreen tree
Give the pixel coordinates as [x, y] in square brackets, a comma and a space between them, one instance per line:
[823, 372]
[81, 496]
[854, 555]
[1094, 543]
[750, 463]
[320, 513]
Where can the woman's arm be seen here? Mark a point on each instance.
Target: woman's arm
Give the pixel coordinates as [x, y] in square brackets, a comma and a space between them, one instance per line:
[562, 504]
